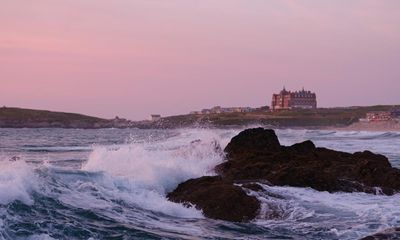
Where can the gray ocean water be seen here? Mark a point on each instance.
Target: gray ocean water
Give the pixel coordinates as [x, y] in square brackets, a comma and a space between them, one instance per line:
[111, 184]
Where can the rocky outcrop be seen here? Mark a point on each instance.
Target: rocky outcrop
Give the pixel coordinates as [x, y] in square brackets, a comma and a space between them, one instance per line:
[219, 199]
[255, 155]
[392, 233]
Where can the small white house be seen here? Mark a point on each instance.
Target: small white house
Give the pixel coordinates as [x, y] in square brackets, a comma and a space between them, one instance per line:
[155, 117]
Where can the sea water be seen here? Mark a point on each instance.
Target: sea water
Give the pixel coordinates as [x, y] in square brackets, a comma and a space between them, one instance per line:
[112, 184]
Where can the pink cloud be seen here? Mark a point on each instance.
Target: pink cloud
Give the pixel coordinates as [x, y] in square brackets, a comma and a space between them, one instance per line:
[132, 58]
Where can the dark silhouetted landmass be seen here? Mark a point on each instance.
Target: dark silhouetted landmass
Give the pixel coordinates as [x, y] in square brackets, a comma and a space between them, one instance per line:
[29, 118]
[312, 118]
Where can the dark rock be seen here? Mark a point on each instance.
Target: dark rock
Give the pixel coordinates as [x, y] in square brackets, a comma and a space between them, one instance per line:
[253, 140]
[219, 199]
[392, 233]
[303, 147]
[253, 186]
[256, 154]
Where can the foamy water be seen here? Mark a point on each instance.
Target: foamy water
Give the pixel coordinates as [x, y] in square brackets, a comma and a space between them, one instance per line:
[96, 184]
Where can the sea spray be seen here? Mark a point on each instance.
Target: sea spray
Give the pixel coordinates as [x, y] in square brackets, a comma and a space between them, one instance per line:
[17, 181]
[158, 165]
[335, 214]
[144, 172]
[120, 190]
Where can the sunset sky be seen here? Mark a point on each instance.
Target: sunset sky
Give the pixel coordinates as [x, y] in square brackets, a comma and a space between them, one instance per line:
[132, 58]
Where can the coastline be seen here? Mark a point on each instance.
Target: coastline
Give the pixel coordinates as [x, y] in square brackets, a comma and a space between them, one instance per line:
[338, 119]
[384, 126]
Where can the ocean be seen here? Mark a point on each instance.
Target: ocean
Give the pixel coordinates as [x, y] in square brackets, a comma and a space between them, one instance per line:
[112, 183]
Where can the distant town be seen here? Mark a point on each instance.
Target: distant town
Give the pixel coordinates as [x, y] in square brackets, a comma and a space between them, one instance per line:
[290, 100]
[287, 109]
[285, 100]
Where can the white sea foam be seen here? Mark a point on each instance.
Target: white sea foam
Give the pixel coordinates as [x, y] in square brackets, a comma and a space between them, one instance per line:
[119, 180]
[304, 208]
[40, 237]
[17, 181]
[148, 170]
[104, 189]
[160, 165]
[142, 173]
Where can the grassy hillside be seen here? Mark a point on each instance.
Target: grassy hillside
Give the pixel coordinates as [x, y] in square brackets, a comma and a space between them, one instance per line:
[27, 118]
[19, 117]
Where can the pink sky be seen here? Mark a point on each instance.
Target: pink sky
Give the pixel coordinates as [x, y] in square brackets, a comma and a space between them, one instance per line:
[133, 58]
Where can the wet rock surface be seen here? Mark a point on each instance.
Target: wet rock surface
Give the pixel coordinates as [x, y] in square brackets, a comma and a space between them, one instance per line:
[219, 199]
[389, 234]
[304, 165]
[255, 155]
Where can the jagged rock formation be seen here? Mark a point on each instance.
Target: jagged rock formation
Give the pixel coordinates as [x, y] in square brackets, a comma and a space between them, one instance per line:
[256, 155]
[217, 198]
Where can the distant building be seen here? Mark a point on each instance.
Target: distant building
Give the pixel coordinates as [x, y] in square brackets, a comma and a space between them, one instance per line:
[263, 109]
[206, 111]
[155, 117]
[291, 100]
[216, 109]
[118, 122]
[219, 110]
[379, 116]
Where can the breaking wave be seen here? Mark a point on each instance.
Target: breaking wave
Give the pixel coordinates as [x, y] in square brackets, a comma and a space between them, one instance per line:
[120, 189]
[17, 182]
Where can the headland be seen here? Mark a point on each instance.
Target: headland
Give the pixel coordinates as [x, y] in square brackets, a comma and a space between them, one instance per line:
[341, 118]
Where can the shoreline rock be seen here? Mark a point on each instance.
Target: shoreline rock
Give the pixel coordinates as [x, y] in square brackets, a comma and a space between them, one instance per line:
[210, 194]
[304, 165]
[256, 155]
[391, 233]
